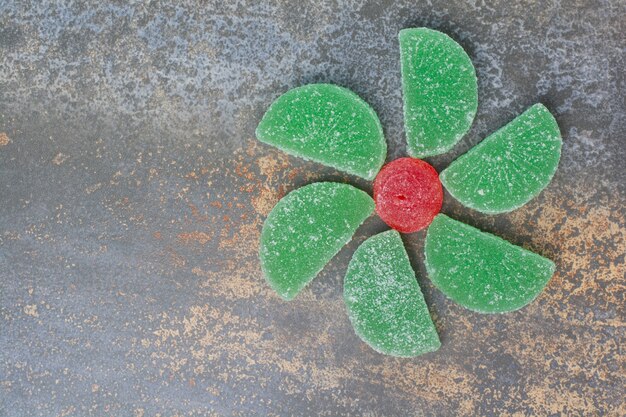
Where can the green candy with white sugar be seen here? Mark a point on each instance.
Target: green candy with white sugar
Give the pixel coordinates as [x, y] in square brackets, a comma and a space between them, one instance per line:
[439, 89]
[480, 271]
[384, 301]
[306, 229]
[510, 167]
[326, 124]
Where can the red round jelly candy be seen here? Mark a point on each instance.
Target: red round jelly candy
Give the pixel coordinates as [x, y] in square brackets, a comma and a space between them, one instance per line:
[408, 194]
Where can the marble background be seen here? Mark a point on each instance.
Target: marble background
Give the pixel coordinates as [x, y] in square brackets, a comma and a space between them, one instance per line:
[132, 194]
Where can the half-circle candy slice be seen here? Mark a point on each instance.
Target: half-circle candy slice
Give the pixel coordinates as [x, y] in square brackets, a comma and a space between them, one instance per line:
[481, 271]
[384, 301]
[306, 229]
[508, 168]
[328, 124]
[439, 89]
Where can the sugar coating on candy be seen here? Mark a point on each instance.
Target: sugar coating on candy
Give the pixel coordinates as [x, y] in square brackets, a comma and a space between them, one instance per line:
[306, 229]
[408, 194]
[326, 124]
[510, 167]
[439, 88]
[481, 271]
[384, 301]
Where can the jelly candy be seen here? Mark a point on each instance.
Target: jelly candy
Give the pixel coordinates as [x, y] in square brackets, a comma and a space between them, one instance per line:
[509, 167]
[326, 124]
[306, 229]
[439, 89]
[333, 126]
[408, 194]
[480, 271]
[384, 301]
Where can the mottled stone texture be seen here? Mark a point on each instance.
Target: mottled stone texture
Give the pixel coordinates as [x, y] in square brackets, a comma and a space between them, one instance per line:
[132, 194]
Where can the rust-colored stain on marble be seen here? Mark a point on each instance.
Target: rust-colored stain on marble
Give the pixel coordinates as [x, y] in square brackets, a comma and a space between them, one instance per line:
[201, 238]
[4, 139]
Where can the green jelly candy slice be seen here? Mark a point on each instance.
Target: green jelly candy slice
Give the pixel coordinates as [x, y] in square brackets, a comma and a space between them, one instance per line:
[384, 301]
[439, 89]
[480, 271]
[306, 229]
[327, 124]
[510, 167]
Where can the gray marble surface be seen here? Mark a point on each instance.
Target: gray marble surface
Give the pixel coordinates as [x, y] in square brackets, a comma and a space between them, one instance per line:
[132, 193]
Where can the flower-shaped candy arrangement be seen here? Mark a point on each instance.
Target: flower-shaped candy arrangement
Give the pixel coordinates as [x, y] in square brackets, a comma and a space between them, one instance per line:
[333, 126]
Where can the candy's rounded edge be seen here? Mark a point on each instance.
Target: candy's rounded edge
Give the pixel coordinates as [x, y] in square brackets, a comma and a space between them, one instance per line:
[285, 296]
[369, 173]
[555, 127]
[350, 314]
[525, 301]
[430, 273]
[382, 142]
[292, 294]
[415, 151]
